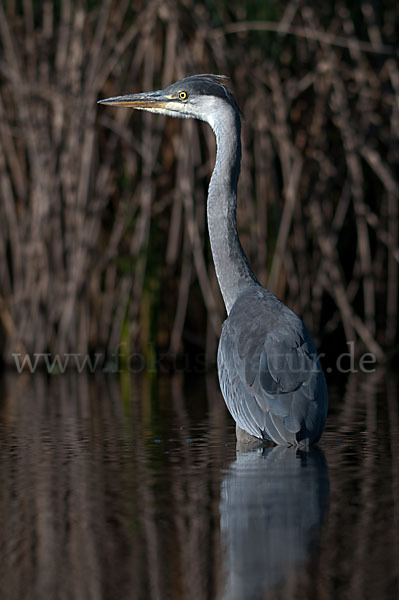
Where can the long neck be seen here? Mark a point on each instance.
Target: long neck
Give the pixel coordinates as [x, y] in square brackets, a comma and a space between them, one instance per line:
[232, 269]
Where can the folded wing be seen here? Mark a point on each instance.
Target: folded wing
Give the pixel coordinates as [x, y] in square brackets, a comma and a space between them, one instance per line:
[270, 376]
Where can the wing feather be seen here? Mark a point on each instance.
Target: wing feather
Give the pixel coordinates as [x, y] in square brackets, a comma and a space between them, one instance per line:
[269, 372]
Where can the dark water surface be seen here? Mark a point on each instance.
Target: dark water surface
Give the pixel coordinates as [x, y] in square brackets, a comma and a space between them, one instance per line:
[124, 488]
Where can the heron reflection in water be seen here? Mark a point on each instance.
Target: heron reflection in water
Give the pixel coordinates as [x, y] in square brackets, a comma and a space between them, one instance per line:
[269, 372]
[273, 503]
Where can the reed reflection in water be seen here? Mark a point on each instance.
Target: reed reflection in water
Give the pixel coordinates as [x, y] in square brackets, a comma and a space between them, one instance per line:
[109, 489]
[126, 488]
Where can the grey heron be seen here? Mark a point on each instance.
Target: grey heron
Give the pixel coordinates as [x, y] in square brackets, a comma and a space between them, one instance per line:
[269, 372]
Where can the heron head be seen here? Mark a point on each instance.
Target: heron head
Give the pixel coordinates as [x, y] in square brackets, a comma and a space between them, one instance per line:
[197, 97]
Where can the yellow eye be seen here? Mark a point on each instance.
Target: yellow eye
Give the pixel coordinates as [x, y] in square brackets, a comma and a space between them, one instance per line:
[182, 95]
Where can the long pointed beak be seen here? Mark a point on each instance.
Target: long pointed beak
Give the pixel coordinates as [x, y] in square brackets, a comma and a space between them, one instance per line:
[144, 100]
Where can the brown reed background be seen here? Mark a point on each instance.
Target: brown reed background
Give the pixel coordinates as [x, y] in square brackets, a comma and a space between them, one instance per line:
[102, 213]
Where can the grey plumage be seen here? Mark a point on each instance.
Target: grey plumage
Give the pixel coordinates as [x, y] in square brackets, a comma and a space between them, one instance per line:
[270, 376]
[269, 372]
